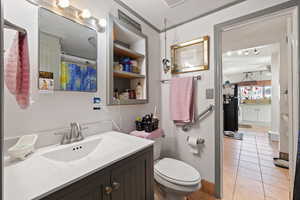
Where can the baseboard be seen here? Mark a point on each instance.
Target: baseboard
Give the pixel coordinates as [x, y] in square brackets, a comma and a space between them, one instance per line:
[208, 187]
[207, 191]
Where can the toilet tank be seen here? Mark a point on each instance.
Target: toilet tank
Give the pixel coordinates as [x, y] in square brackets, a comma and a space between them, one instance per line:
[157, 148]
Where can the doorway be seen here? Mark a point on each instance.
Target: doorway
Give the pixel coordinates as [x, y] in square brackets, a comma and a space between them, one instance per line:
[252, 164]
[245, 161]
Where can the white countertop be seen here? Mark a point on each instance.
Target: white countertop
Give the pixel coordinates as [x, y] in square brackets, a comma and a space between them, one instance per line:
[38, 176]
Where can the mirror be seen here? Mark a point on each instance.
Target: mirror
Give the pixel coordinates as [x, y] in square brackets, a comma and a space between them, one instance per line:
[67, 54]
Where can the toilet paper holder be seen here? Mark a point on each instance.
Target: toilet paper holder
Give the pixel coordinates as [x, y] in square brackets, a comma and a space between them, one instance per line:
[199, 140]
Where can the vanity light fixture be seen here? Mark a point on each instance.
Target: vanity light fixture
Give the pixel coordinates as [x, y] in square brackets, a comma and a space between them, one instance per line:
[229, 53]
[63, 3]
[85, 14]
[102, 22]
[246, 53]
[256, 52]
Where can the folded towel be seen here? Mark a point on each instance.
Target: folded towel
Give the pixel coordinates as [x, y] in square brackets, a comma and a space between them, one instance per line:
[17, 70]
[182, 100]
[158, 133]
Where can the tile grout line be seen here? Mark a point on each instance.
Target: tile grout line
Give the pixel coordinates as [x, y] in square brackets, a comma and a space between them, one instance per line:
[237, 171]
[261, 176]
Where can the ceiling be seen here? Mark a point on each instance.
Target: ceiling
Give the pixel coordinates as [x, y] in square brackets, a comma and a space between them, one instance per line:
[154, 11]
[258, 33]
[248, 37]
[236, 63]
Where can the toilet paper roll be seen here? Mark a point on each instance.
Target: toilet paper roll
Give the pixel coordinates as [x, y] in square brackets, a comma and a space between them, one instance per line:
[285, 117]
[193, 143]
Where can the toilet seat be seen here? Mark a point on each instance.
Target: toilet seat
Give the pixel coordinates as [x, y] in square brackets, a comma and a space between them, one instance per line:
[177, 172]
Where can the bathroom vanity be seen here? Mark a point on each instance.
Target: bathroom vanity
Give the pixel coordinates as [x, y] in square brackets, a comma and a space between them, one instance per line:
[108, 166]
[129, 179]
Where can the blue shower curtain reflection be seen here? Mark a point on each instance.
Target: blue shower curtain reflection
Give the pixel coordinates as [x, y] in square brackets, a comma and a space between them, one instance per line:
[76, 77]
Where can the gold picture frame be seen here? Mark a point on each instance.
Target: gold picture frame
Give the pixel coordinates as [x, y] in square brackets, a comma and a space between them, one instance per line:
[190, 56]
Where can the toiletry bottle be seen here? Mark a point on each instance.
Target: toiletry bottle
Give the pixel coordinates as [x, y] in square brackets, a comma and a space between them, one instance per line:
[139, 91]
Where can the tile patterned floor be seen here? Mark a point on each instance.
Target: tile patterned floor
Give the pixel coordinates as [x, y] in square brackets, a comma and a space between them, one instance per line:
[249, 172]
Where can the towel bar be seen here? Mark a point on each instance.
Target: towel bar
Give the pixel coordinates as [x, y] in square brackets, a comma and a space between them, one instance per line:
[188, 126]
[9, 25]
[196, 78]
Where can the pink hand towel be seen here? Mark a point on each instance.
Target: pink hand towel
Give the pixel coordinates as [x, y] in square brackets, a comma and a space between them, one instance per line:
[17, 70]
[182, 100]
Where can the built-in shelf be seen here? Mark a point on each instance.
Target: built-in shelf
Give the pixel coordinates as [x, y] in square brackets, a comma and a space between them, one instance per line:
[129, 101]
[128, 75]
[123, 51]
[122, 82]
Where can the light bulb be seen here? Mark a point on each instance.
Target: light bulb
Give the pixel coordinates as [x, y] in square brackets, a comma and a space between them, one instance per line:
[240, 52]
[102, 22]
[229, 53]
[63, 3]
[85, 14]
[256, 52]
[246, 53]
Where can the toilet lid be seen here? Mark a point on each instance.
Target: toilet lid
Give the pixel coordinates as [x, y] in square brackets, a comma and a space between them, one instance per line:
[177, 172]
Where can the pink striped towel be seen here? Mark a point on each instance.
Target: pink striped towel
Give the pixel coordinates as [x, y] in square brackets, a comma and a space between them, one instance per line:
[17, 70]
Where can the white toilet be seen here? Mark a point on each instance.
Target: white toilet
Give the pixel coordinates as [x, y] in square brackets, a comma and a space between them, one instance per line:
[176, 178]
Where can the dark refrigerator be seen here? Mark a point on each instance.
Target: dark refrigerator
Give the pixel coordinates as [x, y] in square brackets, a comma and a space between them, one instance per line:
[231, 109]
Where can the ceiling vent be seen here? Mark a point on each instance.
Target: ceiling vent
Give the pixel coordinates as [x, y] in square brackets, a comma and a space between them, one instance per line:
[173, 3]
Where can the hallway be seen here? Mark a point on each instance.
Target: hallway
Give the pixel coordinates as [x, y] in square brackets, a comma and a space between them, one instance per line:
[249, 172]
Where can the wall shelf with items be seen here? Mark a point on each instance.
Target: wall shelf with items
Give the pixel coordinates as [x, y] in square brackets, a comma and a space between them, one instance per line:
[128, 75]
[128, 65]
[123, 51]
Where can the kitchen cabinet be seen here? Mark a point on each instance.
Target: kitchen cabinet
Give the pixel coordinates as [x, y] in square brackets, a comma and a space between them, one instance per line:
[255, 113]
[128, 179]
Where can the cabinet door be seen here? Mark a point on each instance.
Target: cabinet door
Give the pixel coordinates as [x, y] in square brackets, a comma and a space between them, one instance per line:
[90, 188]
[265, 114]
[133, 179]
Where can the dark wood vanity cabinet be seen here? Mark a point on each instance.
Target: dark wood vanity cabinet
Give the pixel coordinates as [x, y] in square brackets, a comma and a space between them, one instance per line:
[128, 179]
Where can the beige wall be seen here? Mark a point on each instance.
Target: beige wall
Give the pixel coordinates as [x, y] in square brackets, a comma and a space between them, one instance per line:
[175, 142]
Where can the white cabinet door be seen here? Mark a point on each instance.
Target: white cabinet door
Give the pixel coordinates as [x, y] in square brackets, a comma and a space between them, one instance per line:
[265, 114]
[256, 113]
[249, 113]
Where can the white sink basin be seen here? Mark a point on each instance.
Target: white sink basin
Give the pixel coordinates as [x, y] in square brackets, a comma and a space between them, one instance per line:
[74, 151]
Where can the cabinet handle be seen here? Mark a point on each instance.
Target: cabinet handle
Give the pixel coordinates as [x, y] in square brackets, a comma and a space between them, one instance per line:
[108, 190]
[115, 185]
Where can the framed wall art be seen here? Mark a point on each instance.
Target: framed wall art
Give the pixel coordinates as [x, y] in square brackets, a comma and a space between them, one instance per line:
[190, 56]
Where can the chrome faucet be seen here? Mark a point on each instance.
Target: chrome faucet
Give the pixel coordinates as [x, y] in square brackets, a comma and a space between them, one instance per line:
[74, 135]
[76, 132]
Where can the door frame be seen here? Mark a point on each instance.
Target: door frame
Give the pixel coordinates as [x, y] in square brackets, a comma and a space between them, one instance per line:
[1, 98]
[218, 29]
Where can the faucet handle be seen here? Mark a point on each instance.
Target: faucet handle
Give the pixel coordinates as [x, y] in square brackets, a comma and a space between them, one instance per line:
[64, 138]
[79, 132]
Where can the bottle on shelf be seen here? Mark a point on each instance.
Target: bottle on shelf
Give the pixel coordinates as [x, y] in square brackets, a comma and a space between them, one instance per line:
[139, 91]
